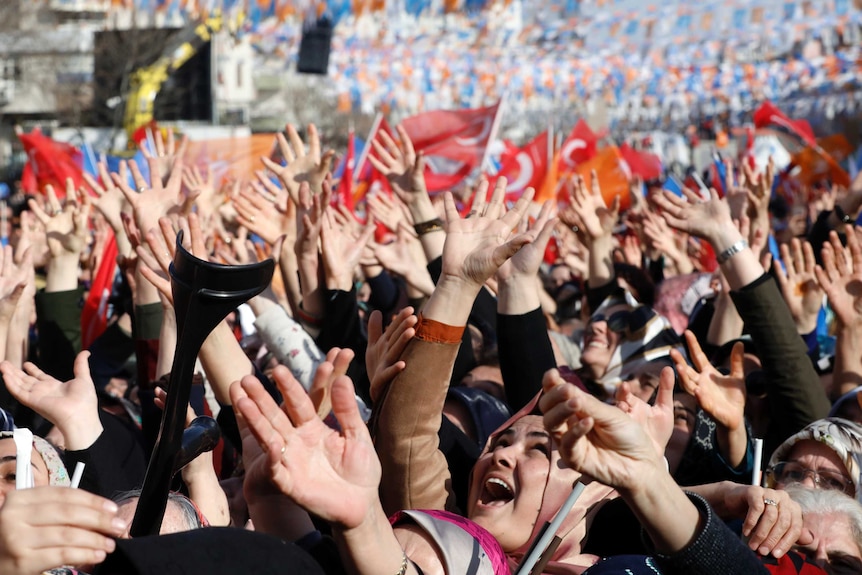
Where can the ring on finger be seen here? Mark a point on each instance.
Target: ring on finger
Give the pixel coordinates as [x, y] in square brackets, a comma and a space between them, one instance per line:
[142, 189]
[251, 219]
[769, 501]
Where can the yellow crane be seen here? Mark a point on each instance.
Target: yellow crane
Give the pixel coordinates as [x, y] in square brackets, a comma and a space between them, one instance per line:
[146, 82]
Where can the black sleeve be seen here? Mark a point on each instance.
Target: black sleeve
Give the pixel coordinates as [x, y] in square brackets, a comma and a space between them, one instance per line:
[716, 550]
[116, 462]
[525, 355]
[58, 319]
[796, 397]
[342, 327]
[819, 234]
[384, 292]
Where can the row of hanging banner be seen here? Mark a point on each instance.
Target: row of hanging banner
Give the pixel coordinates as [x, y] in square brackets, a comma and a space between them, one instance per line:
[406, 56]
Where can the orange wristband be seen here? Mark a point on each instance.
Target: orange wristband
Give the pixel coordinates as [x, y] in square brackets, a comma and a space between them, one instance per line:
[436, 332]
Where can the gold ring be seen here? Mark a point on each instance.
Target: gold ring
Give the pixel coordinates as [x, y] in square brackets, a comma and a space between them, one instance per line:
[251, 219]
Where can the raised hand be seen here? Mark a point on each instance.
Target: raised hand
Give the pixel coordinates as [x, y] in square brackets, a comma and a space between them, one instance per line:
[271, 191]
[200, 477]
[153, 201]
[701, 218]
[256, 213]
[593, 215]
[402, 166]
[478, 245]
[66, 224]
[382, 357]
[656, 419]
[595, 438]
[201, 188]
[799, 285]
[721, 396]
[759, 188]
[388, 211]
[526, 262]
[335, 366]
[109, 199]
[769, 528]
[302, 166]
[46, 527]
[13, 281]
[841, 276]
[332, 474]
[72, 405]
[156, 255]
[341, 252]
[168, 155]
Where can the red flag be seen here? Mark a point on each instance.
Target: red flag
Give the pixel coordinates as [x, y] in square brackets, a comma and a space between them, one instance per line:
[345, 186]
[94, 315]
[461, 135]
[643, 164]
[526, 168]
[768, 115]
[49, 162]
[578, 148]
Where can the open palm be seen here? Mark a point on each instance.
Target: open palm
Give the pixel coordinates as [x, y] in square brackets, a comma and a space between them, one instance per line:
[334, 475]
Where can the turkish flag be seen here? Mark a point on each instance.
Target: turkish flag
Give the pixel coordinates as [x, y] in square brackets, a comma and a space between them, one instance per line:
[94, 314]
[526, 168]
[768, 115]
[461, 135]
[49, 162]
[643, 164]
[578, 148]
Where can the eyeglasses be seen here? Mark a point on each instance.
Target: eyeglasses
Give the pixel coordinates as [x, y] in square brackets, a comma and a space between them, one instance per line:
[625, 321]
[791, 472]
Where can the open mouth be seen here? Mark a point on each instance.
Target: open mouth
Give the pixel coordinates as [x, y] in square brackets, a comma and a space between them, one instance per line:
[496, 492]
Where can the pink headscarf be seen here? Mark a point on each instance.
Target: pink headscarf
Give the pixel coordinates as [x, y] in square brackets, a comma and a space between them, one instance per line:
[567, 559]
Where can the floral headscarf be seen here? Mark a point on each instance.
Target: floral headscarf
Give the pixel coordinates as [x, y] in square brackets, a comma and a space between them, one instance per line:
[841, 435]
[57, 473]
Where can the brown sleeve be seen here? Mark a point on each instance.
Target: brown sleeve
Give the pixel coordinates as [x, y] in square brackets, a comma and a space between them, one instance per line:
[404, 426]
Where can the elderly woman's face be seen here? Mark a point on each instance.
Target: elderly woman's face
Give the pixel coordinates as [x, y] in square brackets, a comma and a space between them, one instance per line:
[815, 465]
[9, 463]
[508, 482]
[600, 341]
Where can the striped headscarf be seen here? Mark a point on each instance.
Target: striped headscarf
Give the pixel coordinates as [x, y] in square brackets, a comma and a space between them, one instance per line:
[647, 337]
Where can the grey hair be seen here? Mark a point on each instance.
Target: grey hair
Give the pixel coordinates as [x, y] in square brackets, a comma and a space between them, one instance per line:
[825, 501]
[191, 519]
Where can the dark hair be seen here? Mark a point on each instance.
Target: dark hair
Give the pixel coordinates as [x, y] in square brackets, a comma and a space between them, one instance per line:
[637, 278]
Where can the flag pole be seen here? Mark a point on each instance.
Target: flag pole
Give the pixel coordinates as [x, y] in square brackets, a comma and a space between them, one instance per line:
[375, 125]
[495, 127]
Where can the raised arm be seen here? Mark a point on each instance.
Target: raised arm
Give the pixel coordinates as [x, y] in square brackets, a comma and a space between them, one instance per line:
[522, 336]
[415, 472]
[796, 397]
[604, 443]
[839, 276]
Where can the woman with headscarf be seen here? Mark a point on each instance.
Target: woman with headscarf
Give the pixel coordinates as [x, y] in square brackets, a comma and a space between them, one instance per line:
[827, 454]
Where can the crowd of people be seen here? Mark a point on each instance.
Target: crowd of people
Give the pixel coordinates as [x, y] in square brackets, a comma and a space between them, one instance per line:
[551, 388]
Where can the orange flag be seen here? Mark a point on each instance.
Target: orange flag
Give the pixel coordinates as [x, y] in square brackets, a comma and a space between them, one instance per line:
[613, 174]
[822, 163]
